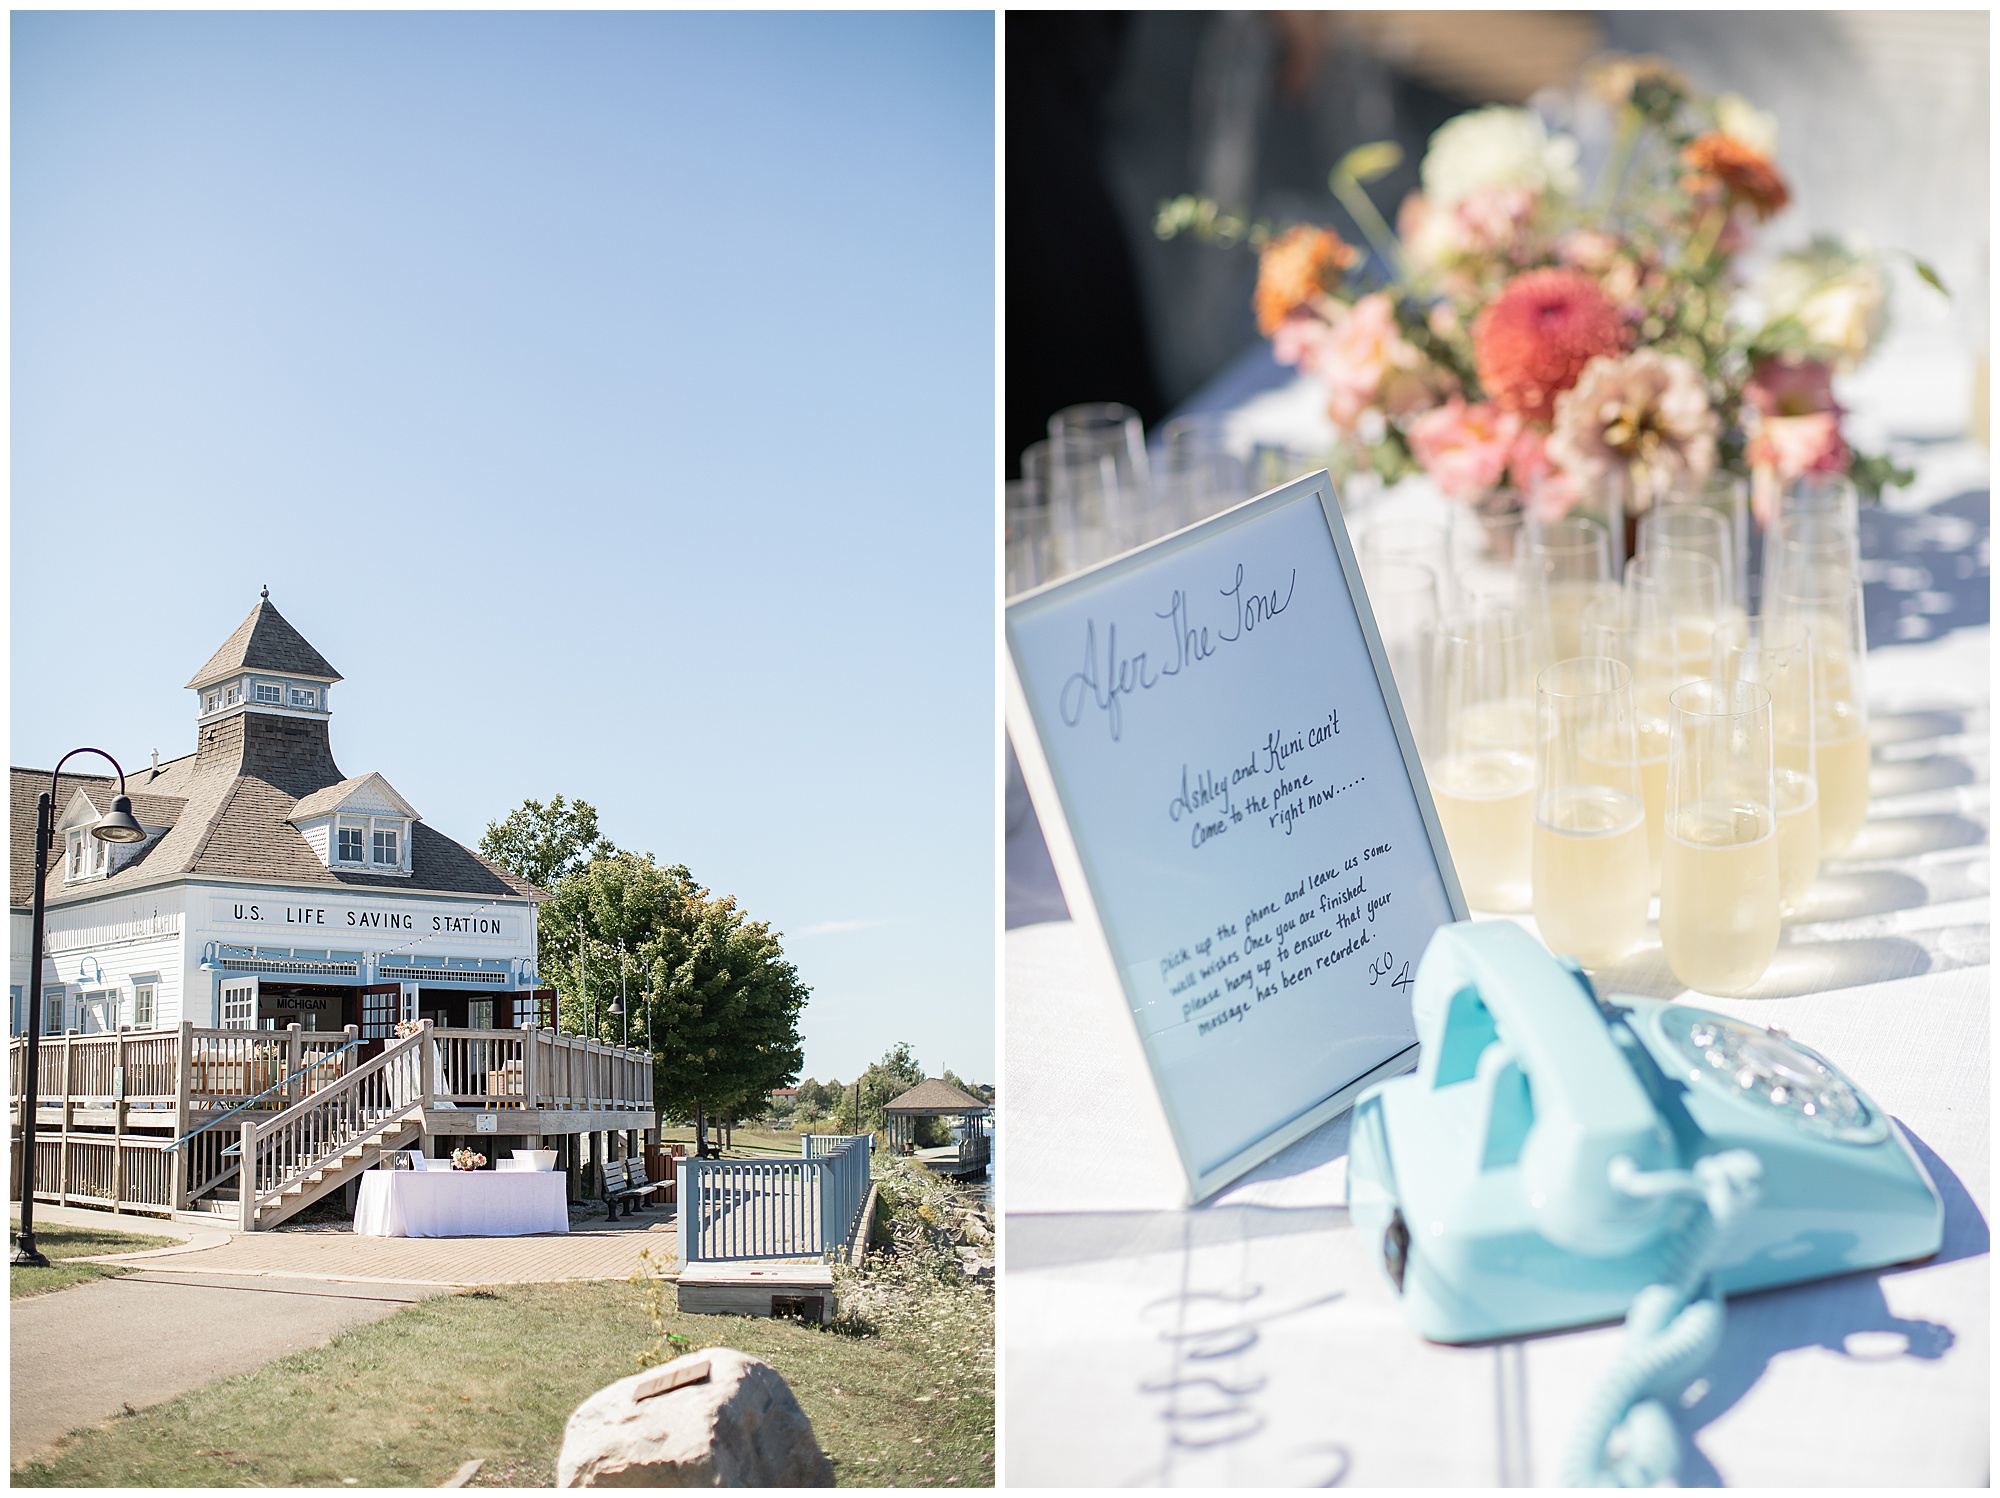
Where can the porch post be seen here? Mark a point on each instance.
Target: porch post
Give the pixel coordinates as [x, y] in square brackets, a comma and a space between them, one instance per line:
[246, 1178]
[294, 1053]
[183, 1076]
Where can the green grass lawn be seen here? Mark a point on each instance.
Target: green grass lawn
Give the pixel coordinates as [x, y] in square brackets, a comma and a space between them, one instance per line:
[495, 1374]
[58, 1243]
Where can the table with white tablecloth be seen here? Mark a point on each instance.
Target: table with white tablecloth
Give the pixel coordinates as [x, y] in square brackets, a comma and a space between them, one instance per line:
[461, 1203]
[1254, 1340]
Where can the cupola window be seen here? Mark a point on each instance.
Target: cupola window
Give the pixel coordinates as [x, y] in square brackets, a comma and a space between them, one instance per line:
[304, 697]
[270, 691]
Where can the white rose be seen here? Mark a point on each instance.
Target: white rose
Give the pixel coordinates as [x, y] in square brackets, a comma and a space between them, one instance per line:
[1740, 120]
[1498, 146]
[1839, 297]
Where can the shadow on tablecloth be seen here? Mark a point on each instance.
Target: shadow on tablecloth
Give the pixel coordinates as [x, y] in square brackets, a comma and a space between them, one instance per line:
[1849, 1316]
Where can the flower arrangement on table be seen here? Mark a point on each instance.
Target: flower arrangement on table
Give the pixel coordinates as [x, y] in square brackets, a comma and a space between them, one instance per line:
[465, 1159]
[405, 1028]
[1530, 344]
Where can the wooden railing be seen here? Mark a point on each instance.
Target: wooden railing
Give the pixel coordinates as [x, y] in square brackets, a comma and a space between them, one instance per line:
[158, 1086]
[223, 1068]
[320, 1128]
[774, 1209]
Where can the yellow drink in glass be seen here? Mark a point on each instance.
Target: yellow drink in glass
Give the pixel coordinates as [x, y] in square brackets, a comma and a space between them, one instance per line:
[1719, 896]
[1843, 779]
[1486, 803]
[1592, 882]
[1798, 838]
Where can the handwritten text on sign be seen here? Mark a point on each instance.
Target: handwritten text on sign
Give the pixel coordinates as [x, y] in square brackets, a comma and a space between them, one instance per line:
[1229, 772]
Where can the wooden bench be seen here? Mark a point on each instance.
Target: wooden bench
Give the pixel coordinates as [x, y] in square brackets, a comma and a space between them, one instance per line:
[625, 1181]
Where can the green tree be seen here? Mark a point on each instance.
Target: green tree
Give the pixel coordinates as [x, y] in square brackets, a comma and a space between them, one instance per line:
[612, 911]
[727, 1004]
[546, 844]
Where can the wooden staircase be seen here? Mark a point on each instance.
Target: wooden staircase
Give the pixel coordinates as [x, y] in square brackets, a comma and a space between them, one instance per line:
[305, 1187]
[330, 1136]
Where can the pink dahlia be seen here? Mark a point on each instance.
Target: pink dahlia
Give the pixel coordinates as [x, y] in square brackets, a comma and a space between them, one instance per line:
[1534, 339]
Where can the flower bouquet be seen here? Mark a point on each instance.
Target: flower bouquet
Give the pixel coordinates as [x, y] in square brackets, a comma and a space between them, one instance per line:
[465, 1159]
[405, 1028]
[1534, 342]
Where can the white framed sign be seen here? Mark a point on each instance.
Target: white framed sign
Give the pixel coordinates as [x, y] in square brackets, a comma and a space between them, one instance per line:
[1234, 805]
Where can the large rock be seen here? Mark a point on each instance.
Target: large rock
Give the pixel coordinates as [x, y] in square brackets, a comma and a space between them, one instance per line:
[738, 1427]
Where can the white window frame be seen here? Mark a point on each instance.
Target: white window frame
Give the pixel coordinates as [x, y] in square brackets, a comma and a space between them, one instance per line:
[238, 1003]
[376, 832]
[146, 1002]
[54, 997]
[361, 833]
[275, 688]
[307, 697]
[210, 701]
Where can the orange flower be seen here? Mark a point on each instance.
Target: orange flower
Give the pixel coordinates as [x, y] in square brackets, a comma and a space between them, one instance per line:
[1532, 341]
[1296, 268]
[1718, 162]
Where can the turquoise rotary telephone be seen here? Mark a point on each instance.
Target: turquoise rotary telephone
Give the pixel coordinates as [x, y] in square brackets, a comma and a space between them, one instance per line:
[1556, 1161]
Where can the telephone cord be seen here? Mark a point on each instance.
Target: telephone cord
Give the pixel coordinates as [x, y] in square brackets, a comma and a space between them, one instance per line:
[1672, 1329]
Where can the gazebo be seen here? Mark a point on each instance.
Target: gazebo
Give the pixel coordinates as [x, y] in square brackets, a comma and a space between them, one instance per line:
[933, 1098]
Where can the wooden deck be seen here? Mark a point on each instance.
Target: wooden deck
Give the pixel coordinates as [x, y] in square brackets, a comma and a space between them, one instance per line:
[111, 1108]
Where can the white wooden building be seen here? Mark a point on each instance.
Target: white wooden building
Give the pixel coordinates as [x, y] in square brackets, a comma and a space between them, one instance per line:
[274, 893]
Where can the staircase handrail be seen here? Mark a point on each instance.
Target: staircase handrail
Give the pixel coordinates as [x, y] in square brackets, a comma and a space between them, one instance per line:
[274, 1087]
[418, 1040]
[348, 1083]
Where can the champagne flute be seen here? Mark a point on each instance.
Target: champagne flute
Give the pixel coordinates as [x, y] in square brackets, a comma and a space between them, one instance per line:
[1404, 598]
[1610, 629]
[1480, 753]
[1676, 600]
[1591, 881]
[1830, 500]
[1719, 881]
[1411, 541]
[1565, 564]
[1726, 495]
[1694, 528]
[1778, 657]
[1097, 478]
[1826, 601]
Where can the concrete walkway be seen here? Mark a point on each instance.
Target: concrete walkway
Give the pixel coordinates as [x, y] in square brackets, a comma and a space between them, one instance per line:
[221, 1303]
[85, 1354]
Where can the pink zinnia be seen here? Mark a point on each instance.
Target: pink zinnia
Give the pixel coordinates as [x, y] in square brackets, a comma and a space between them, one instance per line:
[1465, 448]
[1533, 340]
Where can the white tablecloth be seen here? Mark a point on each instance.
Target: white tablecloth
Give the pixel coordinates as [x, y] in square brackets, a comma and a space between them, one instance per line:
[1255, 1341]
[461, 1203]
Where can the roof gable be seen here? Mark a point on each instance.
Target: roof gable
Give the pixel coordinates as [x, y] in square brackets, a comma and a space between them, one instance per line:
[366, 794]
[264, 642]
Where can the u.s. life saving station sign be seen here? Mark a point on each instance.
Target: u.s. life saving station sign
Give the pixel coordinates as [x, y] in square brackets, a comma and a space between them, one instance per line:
[335, 920]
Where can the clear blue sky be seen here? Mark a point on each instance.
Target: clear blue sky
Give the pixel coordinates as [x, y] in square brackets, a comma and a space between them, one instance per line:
[609, 397]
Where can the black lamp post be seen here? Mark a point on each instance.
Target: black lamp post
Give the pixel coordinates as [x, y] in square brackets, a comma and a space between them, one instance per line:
[116, 826]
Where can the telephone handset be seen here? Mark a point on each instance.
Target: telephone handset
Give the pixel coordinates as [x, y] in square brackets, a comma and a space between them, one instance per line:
[1545, 1162]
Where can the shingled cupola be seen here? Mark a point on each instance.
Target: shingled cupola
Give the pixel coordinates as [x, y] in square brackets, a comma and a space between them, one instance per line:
[266, 667]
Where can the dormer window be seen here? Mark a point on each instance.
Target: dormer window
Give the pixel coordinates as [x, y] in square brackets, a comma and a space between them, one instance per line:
[350, 844]
[270, 691]
[88, 856]
[388, 847]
